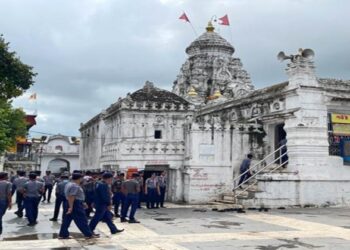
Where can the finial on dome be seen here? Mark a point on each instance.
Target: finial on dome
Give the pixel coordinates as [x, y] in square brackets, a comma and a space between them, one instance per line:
[210, 27]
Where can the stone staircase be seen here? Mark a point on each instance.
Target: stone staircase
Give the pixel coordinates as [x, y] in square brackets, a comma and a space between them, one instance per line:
[244, 197]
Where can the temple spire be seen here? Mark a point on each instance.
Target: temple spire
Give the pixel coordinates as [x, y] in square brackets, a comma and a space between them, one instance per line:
[210, 27]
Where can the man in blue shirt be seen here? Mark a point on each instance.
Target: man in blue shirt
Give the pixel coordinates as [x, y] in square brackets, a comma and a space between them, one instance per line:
[33, 190]
[75, 209]
[103, 204]
[60, 196]
[5, 196]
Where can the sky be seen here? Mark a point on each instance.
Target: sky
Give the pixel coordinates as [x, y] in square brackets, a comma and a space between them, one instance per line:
[88, 53]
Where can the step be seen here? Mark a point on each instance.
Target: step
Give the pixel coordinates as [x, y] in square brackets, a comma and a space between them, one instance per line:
[227, 207]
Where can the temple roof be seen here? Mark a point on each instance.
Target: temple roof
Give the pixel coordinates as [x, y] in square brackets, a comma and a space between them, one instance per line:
[149, 93]
[209, 39]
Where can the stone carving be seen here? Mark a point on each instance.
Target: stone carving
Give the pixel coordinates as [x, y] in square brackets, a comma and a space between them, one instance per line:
[209, 72]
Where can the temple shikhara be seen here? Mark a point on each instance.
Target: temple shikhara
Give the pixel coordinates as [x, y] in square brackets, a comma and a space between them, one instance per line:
[298, 132]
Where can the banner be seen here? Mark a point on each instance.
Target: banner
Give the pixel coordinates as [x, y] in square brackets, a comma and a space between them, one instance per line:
[341, 129]
[341, 118]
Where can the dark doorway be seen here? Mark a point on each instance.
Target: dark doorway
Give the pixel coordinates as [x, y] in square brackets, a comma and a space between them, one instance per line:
[158, 169]
[280, 140]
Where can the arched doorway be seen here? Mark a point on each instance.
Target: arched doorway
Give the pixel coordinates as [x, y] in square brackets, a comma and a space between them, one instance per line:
[58, 166]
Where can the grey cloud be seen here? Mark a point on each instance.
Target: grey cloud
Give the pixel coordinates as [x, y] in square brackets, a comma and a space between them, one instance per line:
[90, 52]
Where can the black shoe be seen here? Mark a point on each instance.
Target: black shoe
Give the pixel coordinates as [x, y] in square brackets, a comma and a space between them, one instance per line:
[133, 221]
[123, 220]
[16, 212]
[118, 231]
[117, 215]
[53, 219]
[95, 234]
[163, 206]
[31, 224]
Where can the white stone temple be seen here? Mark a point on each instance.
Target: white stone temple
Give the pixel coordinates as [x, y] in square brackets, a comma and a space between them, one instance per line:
[298, 132]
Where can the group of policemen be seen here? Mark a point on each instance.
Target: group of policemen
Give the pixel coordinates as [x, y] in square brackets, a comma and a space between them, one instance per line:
[81, 194]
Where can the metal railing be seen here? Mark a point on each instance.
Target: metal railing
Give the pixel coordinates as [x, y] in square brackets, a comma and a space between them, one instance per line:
[281, 162]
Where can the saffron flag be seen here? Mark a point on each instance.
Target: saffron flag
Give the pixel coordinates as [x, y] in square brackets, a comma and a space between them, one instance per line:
[184, 17]
[224, 20]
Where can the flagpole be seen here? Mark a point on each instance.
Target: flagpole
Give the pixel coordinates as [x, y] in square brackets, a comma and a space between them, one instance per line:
[194, 30]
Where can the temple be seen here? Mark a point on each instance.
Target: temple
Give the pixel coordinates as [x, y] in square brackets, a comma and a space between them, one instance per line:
[298, 132]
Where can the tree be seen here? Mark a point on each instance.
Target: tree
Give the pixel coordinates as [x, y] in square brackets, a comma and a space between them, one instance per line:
[15, 76]
[12, 125]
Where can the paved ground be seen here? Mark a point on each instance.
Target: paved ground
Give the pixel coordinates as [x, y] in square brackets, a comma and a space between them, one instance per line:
[178, 227]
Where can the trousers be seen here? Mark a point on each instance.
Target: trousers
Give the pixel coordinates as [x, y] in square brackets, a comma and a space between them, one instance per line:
[3, 208]
[102, 214]
[151, 197]
[60, 199]
[78, 215]
[31, 205]
[133, 201]
[19, 201]
[118, 200]
[48, 190]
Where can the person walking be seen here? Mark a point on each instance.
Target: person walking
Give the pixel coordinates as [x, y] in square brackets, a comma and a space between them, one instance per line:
[89, 184]
[75, 209]
[49, 181]
[103, 204]
[60, 197]
[131, 190]
[244, 169]
[162, 180]
[118, 195]
[151, 191]
[33, 190]
[5, 196]
[19, 184]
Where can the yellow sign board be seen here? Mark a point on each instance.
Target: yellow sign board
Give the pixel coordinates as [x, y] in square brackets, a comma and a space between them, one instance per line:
[341, 129]
[341, 118]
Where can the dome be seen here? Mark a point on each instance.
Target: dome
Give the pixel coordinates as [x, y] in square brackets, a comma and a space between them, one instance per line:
[210, 42]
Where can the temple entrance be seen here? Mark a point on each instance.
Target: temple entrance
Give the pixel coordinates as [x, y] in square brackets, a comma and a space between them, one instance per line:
[58, 166]
[158, 169]
[280, 140]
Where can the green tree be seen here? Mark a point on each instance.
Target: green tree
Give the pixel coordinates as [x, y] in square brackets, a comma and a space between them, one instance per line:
[15, 76]
[12, 125]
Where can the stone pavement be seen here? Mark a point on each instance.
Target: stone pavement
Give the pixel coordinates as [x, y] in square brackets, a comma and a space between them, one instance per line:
[193, 227]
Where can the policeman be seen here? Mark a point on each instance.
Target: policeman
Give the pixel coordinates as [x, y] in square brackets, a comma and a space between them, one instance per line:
[162, 181]
[38, 174]
[49, 181]
[151, 191]
[60, 197]
[33, 190]
[5, 196]
[131, 190]
[75, 209]
[103, 204]
[118, 195]
[19, 183]
[89, 190]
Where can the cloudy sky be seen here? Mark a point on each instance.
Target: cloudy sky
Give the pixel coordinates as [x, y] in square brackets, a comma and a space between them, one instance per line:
[87, 53]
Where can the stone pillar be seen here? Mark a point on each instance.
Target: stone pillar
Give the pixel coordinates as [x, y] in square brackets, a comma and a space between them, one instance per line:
[307, 137]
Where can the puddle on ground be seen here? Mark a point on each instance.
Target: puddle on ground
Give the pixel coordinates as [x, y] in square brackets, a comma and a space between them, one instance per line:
[289, 244]
[222, 224]
[200, 210]
[348, 227]
[40, 236]
[164, 219]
